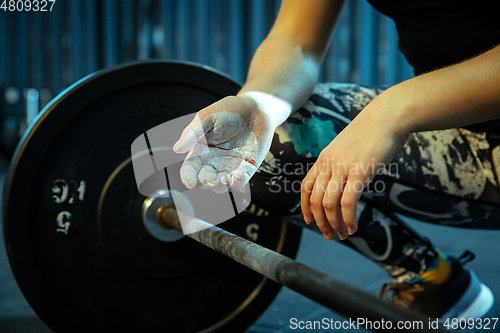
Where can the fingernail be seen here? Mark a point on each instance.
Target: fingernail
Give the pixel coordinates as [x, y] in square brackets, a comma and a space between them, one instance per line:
[176, 145]
[214, 183]
[306, 219]
[224, 180]
[328, 237]
[341, 236]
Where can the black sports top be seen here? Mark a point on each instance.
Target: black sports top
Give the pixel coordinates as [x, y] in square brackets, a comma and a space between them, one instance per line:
[437, 33]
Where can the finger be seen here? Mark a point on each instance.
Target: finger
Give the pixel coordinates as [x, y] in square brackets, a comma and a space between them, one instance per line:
[185, 143]
[241, 175]
[208, 176]
[305, 194]
[223, 185]
[331, 206]
[224, 178]
[189, 170]
[189, 176]
[193, 133]
[316, 202]
[239, 180]
[349, 202]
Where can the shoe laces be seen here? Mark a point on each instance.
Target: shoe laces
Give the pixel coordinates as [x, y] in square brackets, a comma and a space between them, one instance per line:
[402, 294]
[466, 257]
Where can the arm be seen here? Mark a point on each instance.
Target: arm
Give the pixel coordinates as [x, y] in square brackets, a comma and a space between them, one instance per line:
[458, 95]
[231, 137]
[454, 96]
[287, 62]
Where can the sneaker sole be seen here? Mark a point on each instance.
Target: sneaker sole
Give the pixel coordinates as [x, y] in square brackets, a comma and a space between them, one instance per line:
[476, 301]
[481, 305]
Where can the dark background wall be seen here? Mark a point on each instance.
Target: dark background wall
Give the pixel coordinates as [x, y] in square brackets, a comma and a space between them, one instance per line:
[48, 51]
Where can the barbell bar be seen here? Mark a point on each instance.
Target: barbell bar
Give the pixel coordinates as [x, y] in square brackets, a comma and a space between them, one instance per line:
[317, 286]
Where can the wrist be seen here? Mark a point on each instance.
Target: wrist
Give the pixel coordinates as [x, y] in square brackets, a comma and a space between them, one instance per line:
[276, 109]
[396, 103]
[389, 114]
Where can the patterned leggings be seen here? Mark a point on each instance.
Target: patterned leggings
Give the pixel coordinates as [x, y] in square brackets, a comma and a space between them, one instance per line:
[448, 177]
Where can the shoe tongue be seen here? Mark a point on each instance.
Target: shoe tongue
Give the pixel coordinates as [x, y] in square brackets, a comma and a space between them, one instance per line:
[466, 257]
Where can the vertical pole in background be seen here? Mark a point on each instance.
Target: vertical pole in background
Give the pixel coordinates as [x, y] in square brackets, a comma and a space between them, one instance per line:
[35, 73]
[110, 40]
[55, 51]
[34, 50]
[76, 55]
[392, 61]
[157, 33]
[20, 59]
[91, 45]
[217, 31]
[46, 62]
[182, 30]
[145, 31]
[257, 24]
[352, 49]
[166, 14]
[367, 54]
[210, 32]
[336, 62]
[236, 39]
[32, 104]
[346, 35]
[37, 54]
[5, 38]
[7, 69]
[202, 37]
[128, 31]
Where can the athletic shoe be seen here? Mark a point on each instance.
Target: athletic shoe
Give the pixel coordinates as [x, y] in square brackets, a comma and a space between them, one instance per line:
[462, 296]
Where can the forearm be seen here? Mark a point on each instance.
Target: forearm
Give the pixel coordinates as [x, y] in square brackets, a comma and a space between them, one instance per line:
[458, 95]
[281, 67]
[287, 63]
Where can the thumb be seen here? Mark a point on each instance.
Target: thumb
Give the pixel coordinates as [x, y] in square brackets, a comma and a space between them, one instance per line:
[192, 134]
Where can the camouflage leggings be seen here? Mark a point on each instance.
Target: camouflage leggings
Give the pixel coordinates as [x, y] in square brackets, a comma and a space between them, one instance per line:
[447, 177]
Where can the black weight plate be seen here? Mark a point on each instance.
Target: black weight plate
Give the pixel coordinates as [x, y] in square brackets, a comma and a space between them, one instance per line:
[97, 269]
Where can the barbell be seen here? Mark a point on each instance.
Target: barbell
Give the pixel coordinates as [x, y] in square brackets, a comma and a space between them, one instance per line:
[92, 254]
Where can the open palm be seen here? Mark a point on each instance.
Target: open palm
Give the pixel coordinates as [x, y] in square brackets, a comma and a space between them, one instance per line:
[227, 142]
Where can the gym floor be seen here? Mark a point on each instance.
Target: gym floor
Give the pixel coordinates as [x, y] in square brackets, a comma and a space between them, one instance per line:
[331, 258]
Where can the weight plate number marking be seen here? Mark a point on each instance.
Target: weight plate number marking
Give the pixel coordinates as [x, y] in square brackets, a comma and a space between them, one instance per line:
[252, 232]
[63, 223]
[60, 192]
